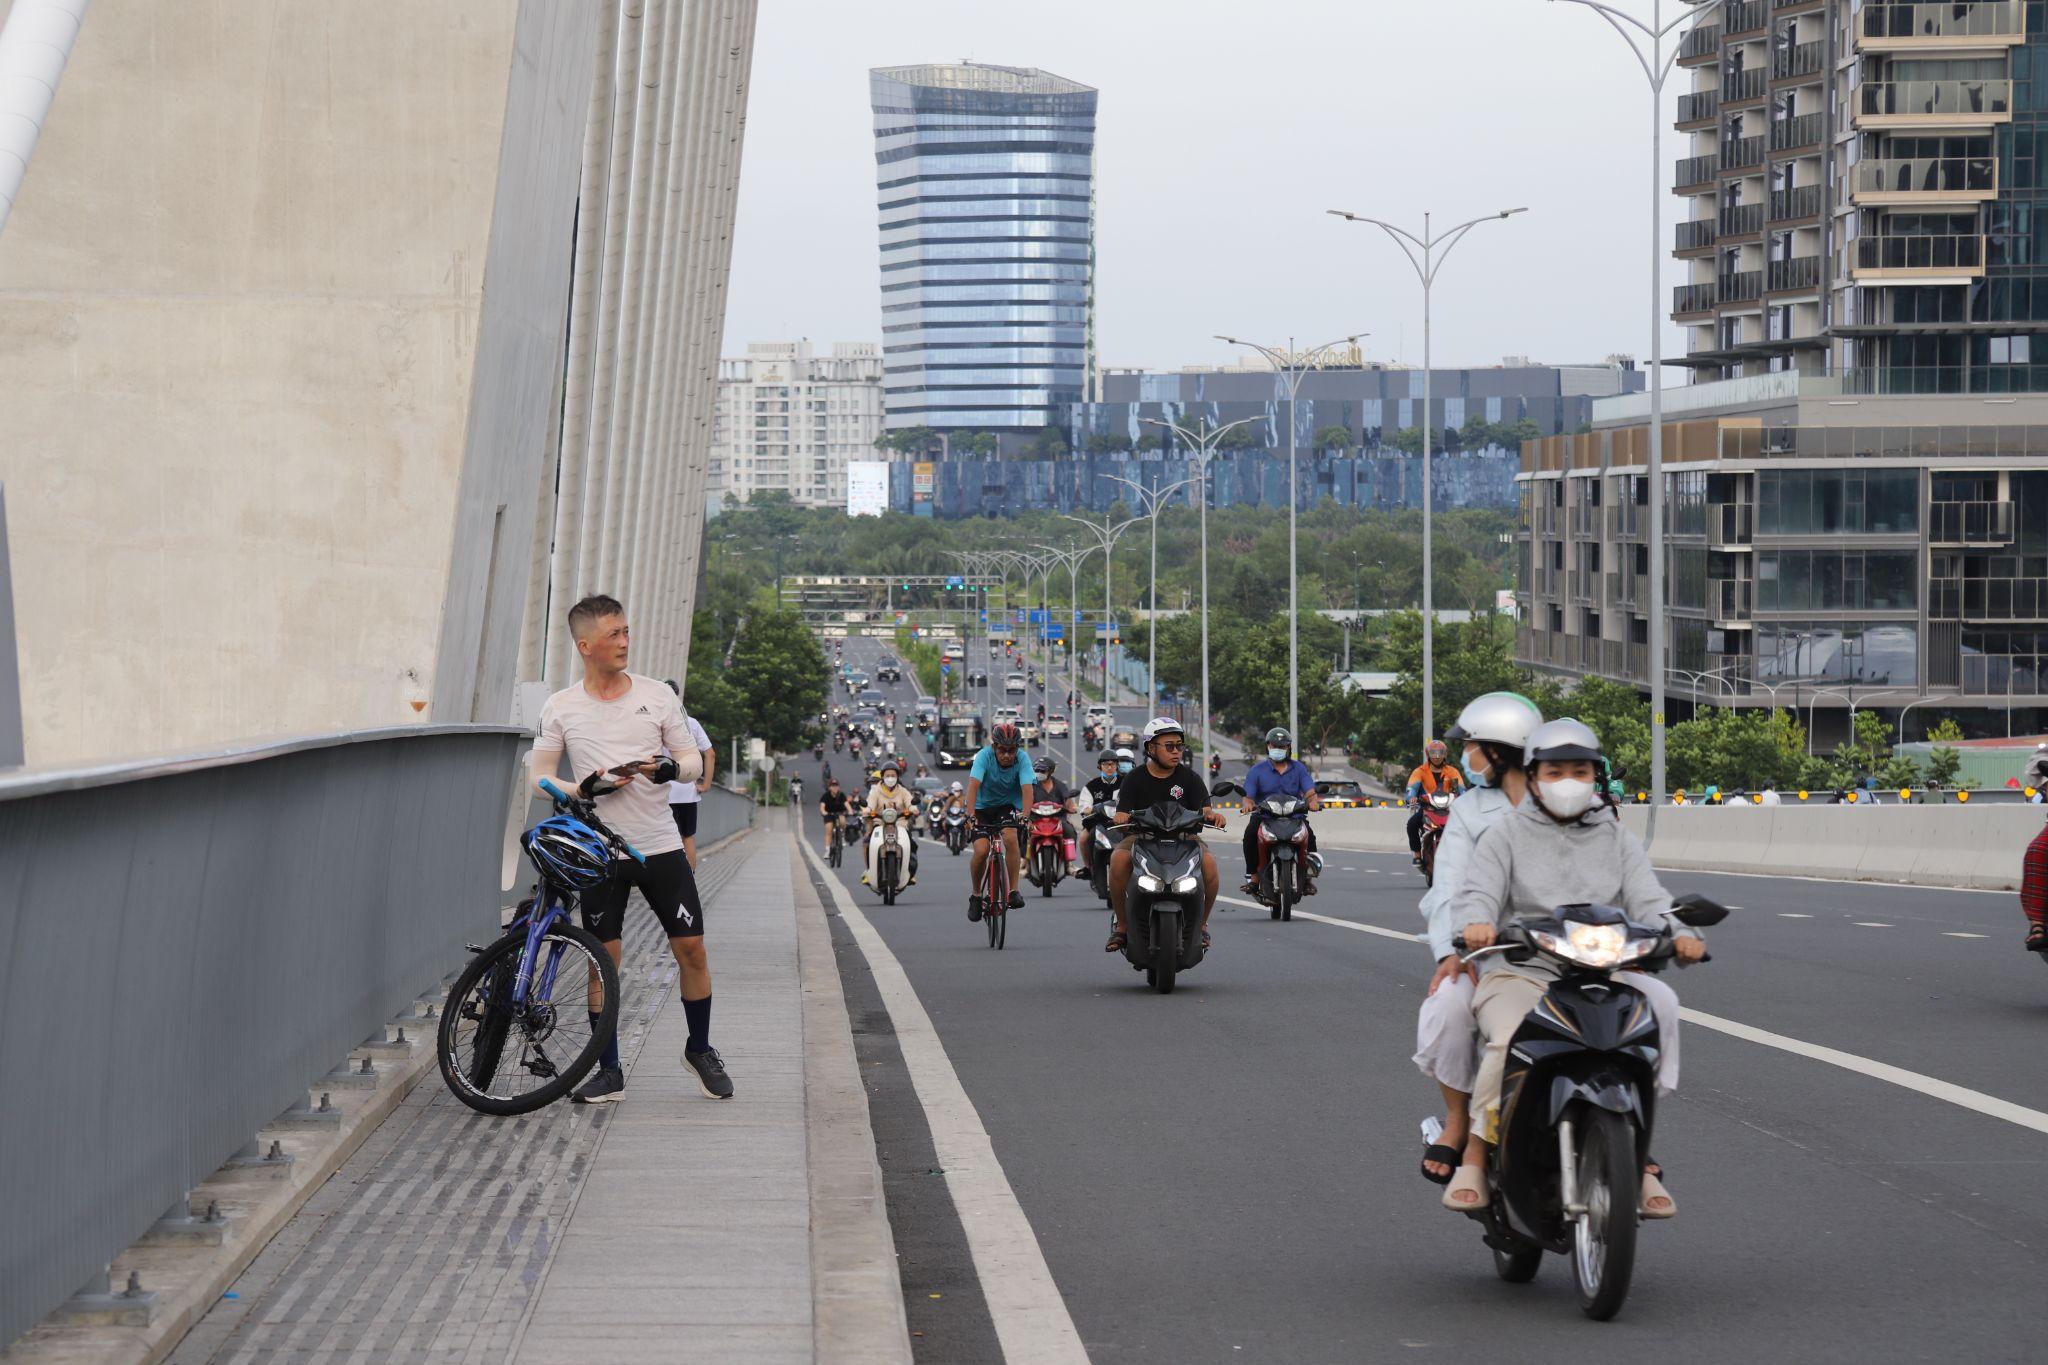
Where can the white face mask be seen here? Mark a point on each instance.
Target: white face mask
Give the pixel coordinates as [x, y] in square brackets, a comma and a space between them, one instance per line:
[1277, 755]
[888, 779]
[1566, 797]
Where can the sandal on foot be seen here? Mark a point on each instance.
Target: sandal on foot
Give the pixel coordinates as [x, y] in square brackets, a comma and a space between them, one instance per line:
[1653, 1188]
[1205, 940]
[2037, 939]
[1442, 1156]
[1471, 1178]
[1118, 941]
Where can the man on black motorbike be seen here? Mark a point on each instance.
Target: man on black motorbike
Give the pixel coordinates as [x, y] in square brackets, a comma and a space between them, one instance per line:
[1163, 778]
[1426, 781]
[1564, 845]
[1277, 774]
[1102, 787]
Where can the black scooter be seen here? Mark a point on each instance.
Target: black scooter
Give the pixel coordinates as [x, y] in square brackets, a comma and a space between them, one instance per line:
[1098, 837]
[1163, 900]
[1579, 1099]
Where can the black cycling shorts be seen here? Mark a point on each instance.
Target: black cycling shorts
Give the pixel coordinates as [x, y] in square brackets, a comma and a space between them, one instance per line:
[685, 813]
[990, 819]
[669, 886]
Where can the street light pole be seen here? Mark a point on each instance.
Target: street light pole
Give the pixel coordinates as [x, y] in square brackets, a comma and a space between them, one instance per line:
[1298, 363]
[1152, 498]
[1426, 265]
[1205, 449]
[1646, 45]
[1106, 536]
[1071, 560]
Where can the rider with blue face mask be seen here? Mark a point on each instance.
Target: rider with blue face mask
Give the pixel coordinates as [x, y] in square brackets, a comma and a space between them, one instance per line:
[1277, 774]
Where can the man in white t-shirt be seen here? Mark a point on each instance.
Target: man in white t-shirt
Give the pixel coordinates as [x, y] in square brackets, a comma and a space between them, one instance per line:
[627, 737]
[683, 796]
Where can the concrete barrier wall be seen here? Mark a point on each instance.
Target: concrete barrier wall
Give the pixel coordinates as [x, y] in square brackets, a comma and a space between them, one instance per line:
[722, 812]
[186, 945]
[1978, 845]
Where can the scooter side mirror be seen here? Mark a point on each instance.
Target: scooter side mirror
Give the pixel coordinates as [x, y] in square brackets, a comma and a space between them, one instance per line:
[1696, 911]
[1225, 789]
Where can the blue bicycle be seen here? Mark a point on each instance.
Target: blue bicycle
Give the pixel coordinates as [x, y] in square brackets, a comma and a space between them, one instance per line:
[517, 1032]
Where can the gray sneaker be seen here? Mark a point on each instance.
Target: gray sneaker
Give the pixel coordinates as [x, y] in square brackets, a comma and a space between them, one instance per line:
[710, 1071]
[607, 1085]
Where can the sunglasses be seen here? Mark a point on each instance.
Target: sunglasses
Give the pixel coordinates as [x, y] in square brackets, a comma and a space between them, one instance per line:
[1170, 745]
[1006, 748]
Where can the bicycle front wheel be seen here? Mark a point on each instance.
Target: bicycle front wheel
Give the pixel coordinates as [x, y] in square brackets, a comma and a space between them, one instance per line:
[501, 1055]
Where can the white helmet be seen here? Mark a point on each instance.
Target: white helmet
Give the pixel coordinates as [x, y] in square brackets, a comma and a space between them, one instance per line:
[958, 788]
[1503, 718]
[1157, 726]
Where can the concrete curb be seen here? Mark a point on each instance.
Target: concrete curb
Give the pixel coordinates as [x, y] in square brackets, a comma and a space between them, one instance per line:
[856, 1292]
[188, 1279]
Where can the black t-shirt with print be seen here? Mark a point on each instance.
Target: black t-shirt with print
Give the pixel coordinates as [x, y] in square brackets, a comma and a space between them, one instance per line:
[1102, 788]
[834, 803]
[1141, 790]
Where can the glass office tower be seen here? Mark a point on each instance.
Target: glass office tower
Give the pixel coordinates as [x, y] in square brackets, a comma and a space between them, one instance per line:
[984, 181]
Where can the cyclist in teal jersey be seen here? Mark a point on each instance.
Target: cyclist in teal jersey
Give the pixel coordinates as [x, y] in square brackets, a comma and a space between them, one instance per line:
[995, 791]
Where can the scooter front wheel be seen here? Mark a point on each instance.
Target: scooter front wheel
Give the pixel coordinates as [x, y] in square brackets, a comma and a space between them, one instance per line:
[1604, 1238]
[1518, 1266]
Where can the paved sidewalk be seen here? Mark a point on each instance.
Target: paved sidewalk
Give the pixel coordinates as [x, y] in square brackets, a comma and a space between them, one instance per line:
[670, 1227]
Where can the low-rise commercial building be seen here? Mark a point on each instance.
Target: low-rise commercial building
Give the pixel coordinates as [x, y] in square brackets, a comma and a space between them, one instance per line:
[1822, 550]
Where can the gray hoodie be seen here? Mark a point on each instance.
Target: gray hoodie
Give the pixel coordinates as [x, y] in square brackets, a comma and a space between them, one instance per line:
[1529, 864]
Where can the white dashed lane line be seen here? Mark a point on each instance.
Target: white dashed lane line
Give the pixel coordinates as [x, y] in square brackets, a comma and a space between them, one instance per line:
[1957, 933]
[1871, 924]
[1787, 914]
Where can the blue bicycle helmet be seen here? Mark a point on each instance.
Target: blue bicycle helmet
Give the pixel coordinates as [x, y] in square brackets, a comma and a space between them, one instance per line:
[568, 852]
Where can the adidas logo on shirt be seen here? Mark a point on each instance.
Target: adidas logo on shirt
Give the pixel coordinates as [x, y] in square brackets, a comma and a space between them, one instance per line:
[642, 711]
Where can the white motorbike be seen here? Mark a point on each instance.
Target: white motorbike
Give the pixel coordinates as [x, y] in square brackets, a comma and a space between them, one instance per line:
[889, 855]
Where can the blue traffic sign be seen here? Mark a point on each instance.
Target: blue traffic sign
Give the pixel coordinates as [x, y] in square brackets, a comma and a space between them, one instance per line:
[945, 666]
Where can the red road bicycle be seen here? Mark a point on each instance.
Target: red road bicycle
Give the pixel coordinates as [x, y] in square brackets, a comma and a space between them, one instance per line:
[997, 882]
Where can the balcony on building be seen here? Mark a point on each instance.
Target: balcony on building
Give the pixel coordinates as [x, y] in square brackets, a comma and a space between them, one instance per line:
[1799, 62]
[1965, 524]
[1741, 220]
[1743, 17]
[1889, 27]
[1741, 153]
[1740, 286]
[1692, 300]
[1797, 134]
[1931, 180]
[1918, 258]
[1695, 236]
[1934, 104]
[1696, 173]
[1799, 202]
[1700, 46]
[1742, 87]
[1698, 109]
[1798, 273]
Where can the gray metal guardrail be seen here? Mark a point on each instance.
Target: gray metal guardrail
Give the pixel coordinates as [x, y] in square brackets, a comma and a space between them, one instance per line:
[722, 812]
[186, 944]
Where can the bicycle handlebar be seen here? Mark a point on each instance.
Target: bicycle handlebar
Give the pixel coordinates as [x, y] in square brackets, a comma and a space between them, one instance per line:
[586, 811]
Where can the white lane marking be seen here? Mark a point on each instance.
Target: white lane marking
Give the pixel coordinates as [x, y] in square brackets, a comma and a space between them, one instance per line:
[1976, 1100]
[1871, 924]
[1031, 1319]
[1956, 933]
[1787, 914]
[1834, 881]
[1300, 913]
[1958, 1095]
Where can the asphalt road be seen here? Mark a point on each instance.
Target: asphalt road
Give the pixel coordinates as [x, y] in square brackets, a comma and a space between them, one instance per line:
[1229, 1173]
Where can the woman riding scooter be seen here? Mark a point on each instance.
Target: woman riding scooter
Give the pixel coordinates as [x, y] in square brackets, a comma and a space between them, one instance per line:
[1563, 845]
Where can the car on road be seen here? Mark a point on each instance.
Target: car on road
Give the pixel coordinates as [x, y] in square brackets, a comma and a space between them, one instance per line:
[888, 670]
[1057, 726]
[977, 678]
[1341, 793]
[863, 722]
[925, 708]
[1014, 685]
[953, 650]
[1008, 713]
[874, 697]
[1096, 714]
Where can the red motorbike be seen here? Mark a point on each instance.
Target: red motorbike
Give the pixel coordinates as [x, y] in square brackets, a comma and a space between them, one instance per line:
[1045, 858]
[1436, 813]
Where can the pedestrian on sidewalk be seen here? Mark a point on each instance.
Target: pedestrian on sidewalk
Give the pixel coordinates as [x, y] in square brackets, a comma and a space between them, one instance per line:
[628, 736]
[684, 796]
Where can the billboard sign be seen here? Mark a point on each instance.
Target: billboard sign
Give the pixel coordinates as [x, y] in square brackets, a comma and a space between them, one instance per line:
[867, 488]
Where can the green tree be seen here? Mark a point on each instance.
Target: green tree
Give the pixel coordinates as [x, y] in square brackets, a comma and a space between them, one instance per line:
[1334, 438]
[779, 668]
[1944, 762]
[1149, 442]
[1407, 440]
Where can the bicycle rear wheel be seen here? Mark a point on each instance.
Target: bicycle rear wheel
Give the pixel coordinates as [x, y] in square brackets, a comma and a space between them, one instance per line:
[500, 1057]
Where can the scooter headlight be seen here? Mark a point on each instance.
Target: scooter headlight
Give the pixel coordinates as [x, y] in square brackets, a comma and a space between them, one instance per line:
[1148, 882]
[1590, 945]
[1186, 886]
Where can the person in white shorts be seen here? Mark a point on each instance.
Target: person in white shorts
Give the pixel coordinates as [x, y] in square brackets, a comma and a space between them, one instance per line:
[684, 796]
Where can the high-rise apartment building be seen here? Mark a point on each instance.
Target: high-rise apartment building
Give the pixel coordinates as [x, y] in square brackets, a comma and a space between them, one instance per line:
[984, 179]
[789, 420]
[1862, 185]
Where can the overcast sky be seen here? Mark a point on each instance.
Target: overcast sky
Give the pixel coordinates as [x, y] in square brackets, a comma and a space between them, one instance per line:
[1224, 131]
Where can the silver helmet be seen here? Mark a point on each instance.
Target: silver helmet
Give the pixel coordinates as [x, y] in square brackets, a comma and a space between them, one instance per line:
[1504, 718]
[1561, 741]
